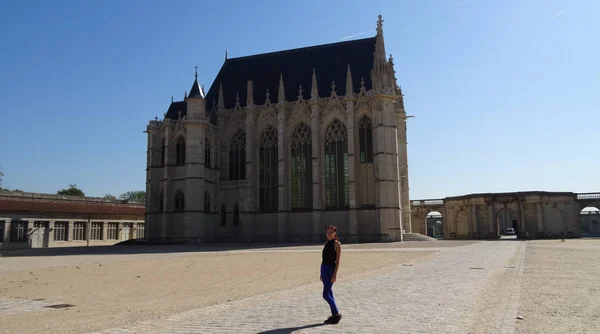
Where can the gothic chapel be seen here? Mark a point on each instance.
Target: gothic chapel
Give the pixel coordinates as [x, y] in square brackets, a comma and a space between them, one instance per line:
[282, 145]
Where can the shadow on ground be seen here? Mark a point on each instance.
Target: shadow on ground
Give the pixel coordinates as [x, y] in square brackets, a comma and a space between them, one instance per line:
[143, 249]
[290, 329]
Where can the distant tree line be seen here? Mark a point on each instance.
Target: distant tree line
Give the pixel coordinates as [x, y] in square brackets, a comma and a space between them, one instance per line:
[73, 190]
[2, 179]
[134, 195]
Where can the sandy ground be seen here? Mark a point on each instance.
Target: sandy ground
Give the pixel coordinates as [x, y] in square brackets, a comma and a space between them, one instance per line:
[561, 287]
[118, 289]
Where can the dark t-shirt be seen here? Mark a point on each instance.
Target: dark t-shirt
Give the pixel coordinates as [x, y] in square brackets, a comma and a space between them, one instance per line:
[329, 253]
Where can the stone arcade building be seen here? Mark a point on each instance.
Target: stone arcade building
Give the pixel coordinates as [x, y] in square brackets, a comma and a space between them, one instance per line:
[282, 145]
[539, 214]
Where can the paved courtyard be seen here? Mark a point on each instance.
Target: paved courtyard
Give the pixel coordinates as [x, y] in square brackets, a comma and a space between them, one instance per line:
[476, 287]
[431, 297]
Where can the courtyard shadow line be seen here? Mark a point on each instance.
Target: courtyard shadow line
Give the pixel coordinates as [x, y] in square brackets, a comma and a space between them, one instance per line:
[143, 249]
[291, 329]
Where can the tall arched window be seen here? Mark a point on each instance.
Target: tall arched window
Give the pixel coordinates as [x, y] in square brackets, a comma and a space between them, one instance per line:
[237, 156]
[180, 151]
[206, 202]
[206, 153]
[161, 201]
[179, 201]
[301, 166]
[268, 169]
[236, 214]
[336, 165]
[223, 215]
[163, 147]
[365, 139]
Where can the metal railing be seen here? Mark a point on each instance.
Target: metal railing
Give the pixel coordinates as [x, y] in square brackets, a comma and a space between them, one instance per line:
[583, 196]
[427, 202]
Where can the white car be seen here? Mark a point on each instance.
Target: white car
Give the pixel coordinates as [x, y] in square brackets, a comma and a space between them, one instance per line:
[510, 231]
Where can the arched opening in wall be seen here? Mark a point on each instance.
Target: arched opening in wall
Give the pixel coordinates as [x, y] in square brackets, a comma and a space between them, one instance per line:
[179, 201]
[435, 225]
[180, 151]
[268, 170]
[161, 201]
[206, 202]
[207, 153]
[461, 224]
[163, 147]
[236, 215]
[336, 166]
[590, 221]
[507, 222]
[223, 216]
[237, 156]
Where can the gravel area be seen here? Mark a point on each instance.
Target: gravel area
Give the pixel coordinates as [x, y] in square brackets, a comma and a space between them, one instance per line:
[561, 287]
[119, 289]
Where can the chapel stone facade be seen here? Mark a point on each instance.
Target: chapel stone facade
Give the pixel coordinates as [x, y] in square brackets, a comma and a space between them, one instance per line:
[282, 145]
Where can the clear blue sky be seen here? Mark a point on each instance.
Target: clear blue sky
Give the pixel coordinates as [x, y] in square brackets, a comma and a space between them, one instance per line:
[505, 93]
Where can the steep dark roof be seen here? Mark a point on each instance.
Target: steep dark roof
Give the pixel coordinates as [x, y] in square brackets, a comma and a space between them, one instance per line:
[196, 91]
[175, 107]
[330, 62]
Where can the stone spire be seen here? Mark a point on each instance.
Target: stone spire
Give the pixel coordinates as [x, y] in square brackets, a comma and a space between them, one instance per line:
[393, 72]
[400, 100]
[185, 95]
[379, 74]
[362, 85]
[196, 91]
[349, 88]
[281, 97]
[221, 101]
[237, 101]
[379, 44]
[314, 90]
[250, 93]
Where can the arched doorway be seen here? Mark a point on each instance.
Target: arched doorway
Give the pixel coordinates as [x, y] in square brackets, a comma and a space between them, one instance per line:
[435, 225]
[507, 222]
[590, 221]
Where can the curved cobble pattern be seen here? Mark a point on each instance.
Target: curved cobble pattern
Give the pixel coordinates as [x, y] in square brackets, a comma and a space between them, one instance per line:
[437, 295]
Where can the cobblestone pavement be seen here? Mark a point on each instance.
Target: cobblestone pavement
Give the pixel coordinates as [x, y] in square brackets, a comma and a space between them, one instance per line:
[437, 295]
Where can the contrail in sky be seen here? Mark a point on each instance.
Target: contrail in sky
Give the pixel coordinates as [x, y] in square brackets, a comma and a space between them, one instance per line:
[560, 13]
[416, 16]
[354, 35]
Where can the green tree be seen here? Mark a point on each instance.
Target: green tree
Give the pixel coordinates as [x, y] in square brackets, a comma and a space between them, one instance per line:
[110, 197]
[71, 191]
[137, 196]
[1, 179]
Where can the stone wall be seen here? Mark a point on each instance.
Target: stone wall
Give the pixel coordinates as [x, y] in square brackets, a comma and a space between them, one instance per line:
[486, 216]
